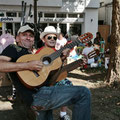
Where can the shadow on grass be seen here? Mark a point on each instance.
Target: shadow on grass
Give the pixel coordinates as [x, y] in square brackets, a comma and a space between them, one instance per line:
[105, 100]
[93, 74]
[105, 103]
[4, 91]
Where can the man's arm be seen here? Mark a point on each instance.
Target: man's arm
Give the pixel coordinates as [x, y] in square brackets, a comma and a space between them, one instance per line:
[7, 66]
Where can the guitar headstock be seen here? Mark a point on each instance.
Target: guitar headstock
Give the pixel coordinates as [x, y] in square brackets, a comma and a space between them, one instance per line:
[86, 37]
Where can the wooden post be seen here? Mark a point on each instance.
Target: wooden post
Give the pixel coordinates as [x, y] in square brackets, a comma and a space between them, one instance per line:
[35, 11]
[35, 21]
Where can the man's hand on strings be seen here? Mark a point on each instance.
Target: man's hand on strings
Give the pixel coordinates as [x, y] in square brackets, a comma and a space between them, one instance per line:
[35, 65]
[65, 53]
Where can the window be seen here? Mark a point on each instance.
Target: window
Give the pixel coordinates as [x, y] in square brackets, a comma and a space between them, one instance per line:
[63, 28]
[1, 14]
[11, 14]
[19, 14]
[53, 24]
[43, 25]
[75, 29]
[81, 15]
[61, 15]
[17, 26]
[101, 4]
[40, 14]
[72, 15]
[101, 22]
[51, 15]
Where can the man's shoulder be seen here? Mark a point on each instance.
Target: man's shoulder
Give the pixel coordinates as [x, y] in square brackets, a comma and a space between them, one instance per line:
[43, 48]
[9, 48]
[14, 47]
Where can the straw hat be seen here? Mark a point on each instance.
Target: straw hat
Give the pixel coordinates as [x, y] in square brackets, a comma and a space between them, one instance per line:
[49, 30]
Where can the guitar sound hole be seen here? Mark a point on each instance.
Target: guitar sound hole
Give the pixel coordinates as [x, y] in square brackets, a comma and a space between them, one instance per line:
[46, 60]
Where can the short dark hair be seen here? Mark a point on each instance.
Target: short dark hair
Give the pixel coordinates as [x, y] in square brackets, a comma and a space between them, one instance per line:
[98, 33]
[89, 43]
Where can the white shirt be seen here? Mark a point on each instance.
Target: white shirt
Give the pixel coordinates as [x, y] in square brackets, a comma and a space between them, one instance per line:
[60, 43]
[86, 51]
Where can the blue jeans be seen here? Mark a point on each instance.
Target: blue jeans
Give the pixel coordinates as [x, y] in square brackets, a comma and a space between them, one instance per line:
[49, 98]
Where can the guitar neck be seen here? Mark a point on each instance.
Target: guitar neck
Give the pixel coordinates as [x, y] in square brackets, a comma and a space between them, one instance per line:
[58, 52]
[78, 63]
[72, 66]
[67, 68]
[82, 39]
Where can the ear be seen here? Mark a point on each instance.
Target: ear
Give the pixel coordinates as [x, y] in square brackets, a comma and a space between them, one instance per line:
[17, 38]
[43, 40]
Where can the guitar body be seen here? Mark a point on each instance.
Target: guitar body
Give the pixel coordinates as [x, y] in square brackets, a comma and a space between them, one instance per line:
[62, 76]
[32, 79]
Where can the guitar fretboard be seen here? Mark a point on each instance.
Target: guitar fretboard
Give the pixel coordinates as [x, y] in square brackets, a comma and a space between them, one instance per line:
[82, 39]
[58, 52]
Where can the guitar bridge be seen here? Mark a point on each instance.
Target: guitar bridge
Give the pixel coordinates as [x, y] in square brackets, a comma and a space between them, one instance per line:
[36, 73]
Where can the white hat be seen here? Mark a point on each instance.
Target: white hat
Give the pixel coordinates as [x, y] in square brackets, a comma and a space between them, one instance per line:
[25, 28]
[48, 30]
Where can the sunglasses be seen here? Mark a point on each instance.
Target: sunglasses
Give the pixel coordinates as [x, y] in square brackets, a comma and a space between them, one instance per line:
[52, 37]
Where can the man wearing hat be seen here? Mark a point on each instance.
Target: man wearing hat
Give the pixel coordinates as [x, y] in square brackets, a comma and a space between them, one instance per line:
[49, 37]
[44, 99]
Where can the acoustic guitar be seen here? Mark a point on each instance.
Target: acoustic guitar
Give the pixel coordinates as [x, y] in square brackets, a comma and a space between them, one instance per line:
[51, 61]
[64, 70]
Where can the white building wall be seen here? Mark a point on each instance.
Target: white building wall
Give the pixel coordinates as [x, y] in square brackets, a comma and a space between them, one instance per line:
[92, 3]
[101, 13]
[105, 12]
[108, 15]
[91, 21]
[53, 3]
[106, 1]
[88, 7]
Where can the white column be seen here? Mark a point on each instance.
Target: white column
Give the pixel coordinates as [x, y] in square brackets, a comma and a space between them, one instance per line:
[68, 28]
[58, 28]
[13, 25]
[43, 14]
[55, 15]
[3, 27]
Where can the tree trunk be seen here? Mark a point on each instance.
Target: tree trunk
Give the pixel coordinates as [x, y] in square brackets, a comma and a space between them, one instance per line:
[113, 76]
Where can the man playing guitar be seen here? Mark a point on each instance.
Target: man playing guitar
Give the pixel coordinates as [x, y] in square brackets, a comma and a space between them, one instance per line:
[43, 99]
